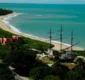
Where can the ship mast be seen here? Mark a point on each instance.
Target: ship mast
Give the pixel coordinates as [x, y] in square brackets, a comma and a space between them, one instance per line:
[72, 41]
[50, 37]
[61, 39]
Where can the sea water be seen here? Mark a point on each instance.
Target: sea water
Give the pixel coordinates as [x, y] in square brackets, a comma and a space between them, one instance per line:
[37, 19]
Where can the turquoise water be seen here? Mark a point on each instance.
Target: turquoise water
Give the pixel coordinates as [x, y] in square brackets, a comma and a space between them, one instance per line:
[37, 19]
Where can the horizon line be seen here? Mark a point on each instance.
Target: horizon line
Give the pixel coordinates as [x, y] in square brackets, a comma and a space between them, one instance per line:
[38, 3]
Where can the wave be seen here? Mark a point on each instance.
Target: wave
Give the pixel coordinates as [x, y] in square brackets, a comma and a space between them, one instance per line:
[7, 19]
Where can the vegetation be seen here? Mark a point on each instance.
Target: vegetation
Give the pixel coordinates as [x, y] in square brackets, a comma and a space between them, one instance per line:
[5, 34]
[51, 77]
[35, 44]
[22, 56]
[76, 74]
[4, 52]
[5, 11]
[5, 73]
[80, 53]
[47, 60]
[59, 70]
[39, 45]
[39, 72]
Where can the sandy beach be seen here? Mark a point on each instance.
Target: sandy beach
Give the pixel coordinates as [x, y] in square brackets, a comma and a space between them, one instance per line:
[56, 44]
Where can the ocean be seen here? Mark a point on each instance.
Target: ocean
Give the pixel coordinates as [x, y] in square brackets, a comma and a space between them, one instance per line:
[37, 19]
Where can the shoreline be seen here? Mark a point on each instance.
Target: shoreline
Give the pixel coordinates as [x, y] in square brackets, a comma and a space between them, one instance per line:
[5, 25]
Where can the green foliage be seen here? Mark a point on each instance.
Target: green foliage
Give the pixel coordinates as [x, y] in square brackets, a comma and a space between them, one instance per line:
[47, 60]
[39, 63]
[39, 72]
[51, 77]
[5, 73]
[35, 44]
[80, 53]
[5, 11]
[4, 33]
[72, 75]
[22, 59]
[77, 73]
[59, 70]
[4, 52]
[39, 45]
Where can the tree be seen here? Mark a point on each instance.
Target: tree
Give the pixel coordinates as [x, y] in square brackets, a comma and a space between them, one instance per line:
[39, 72]
[59, 70]
[51, 77]
[4, 52]
[5, 73]
[77, 73]
[5, 11]
[72, 75]
[22, 60]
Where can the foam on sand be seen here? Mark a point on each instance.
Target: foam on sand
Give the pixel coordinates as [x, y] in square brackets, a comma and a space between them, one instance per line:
[8, 18]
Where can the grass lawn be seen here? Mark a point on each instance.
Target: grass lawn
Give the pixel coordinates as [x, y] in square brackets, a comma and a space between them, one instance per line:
[47, 60]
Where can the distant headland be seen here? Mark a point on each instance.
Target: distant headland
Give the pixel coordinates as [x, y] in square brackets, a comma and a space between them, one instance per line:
[5, 11]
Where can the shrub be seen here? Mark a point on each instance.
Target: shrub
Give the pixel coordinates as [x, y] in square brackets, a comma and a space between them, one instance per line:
[51, 77]
[39, 72]
[5, 73]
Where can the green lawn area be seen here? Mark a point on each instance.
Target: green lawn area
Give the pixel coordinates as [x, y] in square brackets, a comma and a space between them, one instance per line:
[47, 60]
[36, 44]
[80, 53]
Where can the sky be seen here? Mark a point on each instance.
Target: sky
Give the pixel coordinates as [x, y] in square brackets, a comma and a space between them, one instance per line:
[45, 1]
